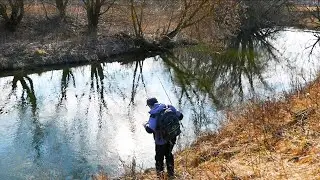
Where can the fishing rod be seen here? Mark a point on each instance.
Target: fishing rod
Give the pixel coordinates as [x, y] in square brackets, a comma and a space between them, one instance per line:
[169, 99]
[164, 90]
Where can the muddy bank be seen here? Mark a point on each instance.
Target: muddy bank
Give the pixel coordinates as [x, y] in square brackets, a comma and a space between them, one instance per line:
[30, 55]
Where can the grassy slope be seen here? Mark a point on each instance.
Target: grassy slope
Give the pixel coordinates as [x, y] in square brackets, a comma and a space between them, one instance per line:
[267, 140]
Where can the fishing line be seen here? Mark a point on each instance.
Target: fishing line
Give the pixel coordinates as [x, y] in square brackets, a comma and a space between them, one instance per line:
[171, 103]
[164, 89]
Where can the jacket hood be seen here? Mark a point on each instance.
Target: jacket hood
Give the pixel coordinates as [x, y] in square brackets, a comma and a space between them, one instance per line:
[157, 108]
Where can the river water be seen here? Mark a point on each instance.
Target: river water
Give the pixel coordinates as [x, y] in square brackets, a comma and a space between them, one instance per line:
[73, 122]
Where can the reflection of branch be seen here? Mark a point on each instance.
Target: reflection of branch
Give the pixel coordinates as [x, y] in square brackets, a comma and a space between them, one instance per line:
[65, 79]
[142, 79]
[220, 75]
[185, 76]
[135, 83]
[199, 118]
[27, 86]
[134, 87]
[314, 44]
[175, 89]
[97, 76]
[30, 90]
[37, 136]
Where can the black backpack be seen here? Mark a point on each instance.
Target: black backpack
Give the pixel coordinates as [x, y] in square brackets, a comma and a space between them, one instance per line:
[168, 124]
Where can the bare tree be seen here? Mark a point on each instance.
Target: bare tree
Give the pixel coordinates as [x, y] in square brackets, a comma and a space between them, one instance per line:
[137, 17]
[95, 8]
[168, 18]
[190, 12]
[62, 6]
[12, 12]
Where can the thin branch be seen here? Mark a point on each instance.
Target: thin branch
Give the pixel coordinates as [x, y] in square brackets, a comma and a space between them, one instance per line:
[111, 4]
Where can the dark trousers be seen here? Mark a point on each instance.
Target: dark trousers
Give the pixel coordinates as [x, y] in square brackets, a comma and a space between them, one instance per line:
[165, 151]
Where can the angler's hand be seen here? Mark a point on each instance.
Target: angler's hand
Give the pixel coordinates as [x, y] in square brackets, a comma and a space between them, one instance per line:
[144, 124]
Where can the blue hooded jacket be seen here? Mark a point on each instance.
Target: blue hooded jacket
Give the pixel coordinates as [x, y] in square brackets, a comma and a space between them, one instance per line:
[152, 123]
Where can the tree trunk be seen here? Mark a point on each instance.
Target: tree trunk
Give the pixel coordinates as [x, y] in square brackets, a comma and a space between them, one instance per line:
[17, 12]
[93, 18]
[93, 21]
[61, 6]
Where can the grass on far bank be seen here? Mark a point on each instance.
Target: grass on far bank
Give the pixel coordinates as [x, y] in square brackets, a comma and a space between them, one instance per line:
[275, 139]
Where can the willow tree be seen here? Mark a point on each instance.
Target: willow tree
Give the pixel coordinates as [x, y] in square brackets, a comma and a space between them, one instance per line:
[94, 9]
[12, 12]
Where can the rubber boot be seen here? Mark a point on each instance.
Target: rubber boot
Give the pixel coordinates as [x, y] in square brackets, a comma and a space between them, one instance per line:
[170, 169]
[159, 169]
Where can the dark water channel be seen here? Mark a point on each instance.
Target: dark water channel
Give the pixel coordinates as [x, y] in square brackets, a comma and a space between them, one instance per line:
[73, 122]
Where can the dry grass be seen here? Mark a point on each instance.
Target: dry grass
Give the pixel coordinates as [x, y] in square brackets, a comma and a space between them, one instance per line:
[276, 139]
[302, 8]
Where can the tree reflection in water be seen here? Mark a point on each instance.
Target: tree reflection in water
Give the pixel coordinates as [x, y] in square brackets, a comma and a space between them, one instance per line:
[28, 91]
[67, 76]
[135, 80]
[97, 84]
[224, 78]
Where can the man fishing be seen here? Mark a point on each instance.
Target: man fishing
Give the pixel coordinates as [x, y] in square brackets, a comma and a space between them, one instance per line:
[158, 124]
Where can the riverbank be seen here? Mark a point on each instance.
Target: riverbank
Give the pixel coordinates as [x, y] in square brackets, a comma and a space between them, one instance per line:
[275, 139]
[42, 42]
[43, 39]
[22, 52]
[52, 42]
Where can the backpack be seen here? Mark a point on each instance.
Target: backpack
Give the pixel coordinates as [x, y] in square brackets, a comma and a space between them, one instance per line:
[168, 124]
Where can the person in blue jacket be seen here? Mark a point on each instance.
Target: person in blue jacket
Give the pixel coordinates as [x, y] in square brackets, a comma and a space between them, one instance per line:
[163, 147]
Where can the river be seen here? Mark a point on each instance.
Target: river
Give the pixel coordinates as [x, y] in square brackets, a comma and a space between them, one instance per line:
[71, 123]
